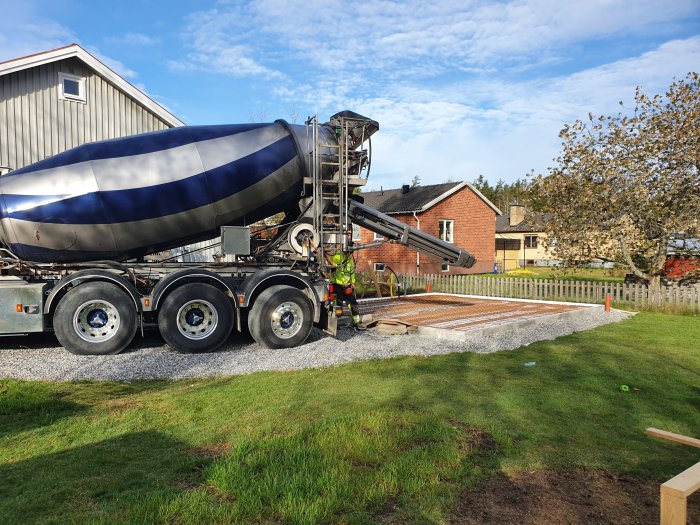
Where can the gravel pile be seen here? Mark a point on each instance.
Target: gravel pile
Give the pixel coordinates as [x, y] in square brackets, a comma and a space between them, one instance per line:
[39, 357]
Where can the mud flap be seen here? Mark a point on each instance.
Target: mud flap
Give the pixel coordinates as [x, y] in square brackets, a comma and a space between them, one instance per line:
[328, 322]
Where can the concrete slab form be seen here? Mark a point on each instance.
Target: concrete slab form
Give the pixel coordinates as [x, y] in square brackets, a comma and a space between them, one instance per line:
[456, 317]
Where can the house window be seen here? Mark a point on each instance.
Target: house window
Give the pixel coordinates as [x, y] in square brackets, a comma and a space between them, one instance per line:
[356, 234]
[378, 237]
[379, 267]
[445, 267]
[531, 241]
[507, 244]
[71, 87]
[447, 230]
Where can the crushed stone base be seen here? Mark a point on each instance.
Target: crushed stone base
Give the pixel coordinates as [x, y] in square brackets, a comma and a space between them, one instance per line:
[38, 357]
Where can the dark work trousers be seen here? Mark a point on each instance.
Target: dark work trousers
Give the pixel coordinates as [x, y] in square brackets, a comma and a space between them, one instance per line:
[348, 294]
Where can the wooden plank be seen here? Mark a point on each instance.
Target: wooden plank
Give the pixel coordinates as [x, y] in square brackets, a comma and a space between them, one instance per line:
[674, 509]
[685, 483]
[678, 438]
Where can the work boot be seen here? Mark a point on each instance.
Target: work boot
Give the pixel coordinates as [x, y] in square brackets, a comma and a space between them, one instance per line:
[358, 327]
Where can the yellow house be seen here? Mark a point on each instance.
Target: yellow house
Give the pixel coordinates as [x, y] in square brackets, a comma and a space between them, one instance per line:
[520, 240]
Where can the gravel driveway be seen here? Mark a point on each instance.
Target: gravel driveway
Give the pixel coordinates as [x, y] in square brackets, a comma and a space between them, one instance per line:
[39, 356]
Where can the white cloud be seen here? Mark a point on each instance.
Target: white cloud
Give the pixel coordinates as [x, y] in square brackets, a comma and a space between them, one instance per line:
[216, 42]
[25, 32]
[135, 39]
[503, 130]
[420, 39]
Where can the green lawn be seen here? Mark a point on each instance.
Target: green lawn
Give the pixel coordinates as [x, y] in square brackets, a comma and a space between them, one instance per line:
[393, 440]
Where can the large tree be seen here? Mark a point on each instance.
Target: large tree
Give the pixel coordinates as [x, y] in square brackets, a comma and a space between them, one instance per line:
[625, 185]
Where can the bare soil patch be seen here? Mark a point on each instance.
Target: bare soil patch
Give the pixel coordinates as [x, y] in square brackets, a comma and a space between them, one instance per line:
[565, 497]
[211, 450]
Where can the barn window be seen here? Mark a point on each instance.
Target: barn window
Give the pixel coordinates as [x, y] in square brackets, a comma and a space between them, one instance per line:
[445, 267]
[71, 87]
[446, 230]
[379, 267]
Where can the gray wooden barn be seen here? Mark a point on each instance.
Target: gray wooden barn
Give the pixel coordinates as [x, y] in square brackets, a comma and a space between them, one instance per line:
[59, 99]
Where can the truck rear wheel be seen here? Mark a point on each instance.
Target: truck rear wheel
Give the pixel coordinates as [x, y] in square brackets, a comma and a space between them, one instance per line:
[281, 317]
[196, 317]
[95, 318]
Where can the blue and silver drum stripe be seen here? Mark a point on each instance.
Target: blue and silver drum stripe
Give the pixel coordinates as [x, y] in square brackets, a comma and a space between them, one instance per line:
[97, 201]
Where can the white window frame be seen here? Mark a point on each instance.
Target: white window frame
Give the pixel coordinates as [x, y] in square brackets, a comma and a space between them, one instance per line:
[356, 233]
[378, 236]
[67, 96]
[379, 267]
[442, 225]
[444, 267]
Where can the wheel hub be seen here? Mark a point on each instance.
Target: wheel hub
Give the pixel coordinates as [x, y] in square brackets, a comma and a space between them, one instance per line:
[96, 321]
[287, 320]
[97, 318]
[197, 319]
[194, 317]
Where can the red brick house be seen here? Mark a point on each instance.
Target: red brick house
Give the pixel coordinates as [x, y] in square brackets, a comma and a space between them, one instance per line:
[455, 212]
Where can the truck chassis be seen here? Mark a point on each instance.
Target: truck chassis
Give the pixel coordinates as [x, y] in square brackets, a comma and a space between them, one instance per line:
[276, 287]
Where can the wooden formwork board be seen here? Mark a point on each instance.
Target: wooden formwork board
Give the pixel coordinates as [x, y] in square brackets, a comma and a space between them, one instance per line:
[461, 313]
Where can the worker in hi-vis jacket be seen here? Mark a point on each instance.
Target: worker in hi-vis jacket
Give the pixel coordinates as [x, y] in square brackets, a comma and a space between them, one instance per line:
[344, 280]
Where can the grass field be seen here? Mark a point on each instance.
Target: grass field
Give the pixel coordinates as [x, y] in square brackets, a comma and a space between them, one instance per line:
[380, 441]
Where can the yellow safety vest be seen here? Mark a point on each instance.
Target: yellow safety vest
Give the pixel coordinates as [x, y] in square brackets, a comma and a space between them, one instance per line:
[345, 273]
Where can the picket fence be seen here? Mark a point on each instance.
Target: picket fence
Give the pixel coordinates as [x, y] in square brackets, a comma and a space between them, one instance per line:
[638, 296]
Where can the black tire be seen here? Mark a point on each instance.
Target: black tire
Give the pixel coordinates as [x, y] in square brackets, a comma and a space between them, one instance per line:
[281, 317]
[95, 318]
[196, 317]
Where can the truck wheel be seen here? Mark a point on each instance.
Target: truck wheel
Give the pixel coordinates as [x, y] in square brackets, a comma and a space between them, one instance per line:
[196, 317]
[281, 317]
[95, 318]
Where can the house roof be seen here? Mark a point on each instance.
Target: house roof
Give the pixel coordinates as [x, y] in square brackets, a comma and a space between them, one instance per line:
[419, 198]
[533, 223]
[74, 50]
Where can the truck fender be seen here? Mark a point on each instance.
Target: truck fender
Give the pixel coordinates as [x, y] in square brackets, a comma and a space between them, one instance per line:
[172, 281]
[84, 276]
[259, 281]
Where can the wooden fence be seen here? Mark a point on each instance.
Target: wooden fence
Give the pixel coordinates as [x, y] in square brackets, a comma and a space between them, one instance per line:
[630, 295]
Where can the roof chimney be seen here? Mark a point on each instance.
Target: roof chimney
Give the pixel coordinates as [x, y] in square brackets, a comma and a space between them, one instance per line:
[517, 214]
[405, 188]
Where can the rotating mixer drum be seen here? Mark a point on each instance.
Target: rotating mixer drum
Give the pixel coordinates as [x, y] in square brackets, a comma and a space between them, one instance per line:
[124, 198]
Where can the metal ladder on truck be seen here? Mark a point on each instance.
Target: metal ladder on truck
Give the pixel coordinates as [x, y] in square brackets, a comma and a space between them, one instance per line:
[337, 169]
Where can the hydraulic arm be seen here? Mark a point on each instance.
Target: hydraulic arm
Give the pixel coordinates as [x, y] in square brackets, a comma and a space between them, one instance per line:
[397, 231]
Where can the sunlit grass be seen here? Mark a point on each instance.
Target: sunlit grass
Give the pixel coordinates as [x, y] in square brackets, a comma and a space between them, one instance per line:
[393, 440]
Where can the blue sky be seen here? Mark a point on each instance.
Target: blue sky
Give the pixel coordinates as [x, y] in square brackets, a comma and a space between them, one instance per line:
[459, 88]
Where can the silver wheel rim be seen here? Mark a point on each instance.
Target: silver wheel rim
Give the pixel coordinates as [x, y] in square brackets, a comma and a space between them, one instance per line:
[287, 320]
[197, 319]
[96, 321]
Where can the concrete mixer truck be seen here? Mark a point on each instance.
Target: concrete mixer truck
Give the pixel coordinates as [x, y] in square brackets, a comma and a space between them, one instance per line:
[79, 233]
